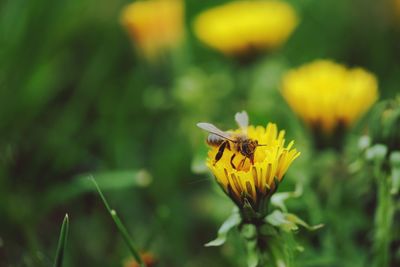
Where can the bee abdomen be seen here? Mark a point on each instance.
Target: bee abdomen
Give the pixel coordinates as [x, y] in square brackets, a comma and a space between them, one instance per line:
[214, 140]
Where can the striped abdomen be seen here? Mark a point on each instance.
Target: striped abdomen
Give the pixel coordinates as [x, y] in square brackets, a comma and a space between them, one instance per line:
[214, 140]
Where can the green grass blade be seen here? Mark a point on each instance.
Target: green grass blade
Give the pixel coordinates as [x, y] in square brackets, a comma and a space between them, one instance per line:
[62, 242]
[120, 226]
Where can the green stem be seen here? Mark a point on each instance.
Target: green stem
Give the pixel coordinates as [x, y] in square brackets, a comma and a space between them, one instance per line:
[383, 220]
[275, 249]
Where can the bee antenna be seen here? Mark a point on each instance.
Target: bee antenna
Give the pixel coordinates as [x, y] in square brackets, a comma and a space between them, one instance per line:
[262, 145]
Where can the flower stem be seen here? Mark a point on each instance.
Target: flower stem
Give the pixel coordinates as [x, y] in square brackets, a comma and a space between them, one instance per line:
[274, 248]
[383, 220]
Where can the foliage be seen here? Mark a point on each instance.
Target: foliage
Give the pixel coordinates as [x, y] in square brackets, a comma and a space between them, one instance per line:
[78, 99]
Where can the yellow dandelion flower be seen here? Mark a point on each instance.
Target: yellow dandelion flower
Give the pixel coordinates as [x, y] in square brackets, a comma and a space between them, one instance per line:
[329, 96]
[244, 181]
[154, 25]
[238, 27]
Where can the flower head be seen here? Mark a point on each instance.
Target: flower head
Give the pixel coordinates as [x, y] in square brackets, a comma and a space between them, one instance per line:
[327, 95]
[248, 183]
[154, 25]
[242, 26]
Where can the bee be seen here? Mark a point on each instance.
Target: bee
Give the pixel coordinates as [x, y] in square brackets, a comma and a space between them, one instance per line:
[237, 142]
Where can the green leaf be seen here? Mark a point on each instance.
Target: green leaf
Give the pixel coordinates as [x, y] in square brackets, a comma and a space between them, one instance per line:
[120, 226]
[62, 242]
[232, 221]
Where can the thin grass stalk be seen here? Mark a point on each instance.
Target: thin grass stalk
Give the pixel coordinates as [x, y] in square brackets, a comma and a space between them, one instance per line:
[383, 220]
[62, 242]
[120, 226]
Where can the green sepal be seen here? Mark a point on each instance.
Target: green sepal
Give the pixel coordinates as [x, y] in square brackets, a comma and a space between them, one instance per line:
[249, 214]
[376, 153]
[248, 231]
[264, 199]
[288, 222]
[278, 199]
[233, 220]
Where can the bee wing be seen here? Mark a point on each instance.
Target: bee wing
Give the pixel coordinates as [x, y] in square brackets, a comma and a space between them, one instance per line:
[242, 120]
[214, 130]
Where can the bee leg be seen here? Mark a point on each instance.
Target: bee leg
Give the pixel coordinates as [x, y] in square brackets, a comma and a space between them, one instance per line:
[228, 146]
[242, 163]
[220, 152]
[233, 165]
[252, 159]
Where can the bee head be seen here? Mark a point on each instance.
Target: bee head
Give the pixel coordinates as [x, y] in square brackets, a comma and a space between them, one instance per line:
[251, 146]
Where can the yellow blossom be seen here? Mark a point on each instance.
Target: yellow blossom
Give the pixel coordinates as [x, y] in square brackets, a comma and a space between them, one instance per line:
[254, 182]
[239, 26]
[154, 25]
[327, 95]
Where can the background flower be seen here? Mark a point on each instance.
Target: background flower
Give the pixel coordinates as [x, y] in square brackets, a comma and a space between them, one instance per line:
[328, 95]
[240, 27]
[155, 26]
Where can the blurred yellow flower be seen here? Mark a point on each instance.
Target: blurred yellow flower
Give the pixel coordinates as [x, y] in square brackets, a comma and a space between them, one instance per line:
[396, 5]
[148, 259]
[240, 27]
[327, 95]
[254, 182]
[155, 25]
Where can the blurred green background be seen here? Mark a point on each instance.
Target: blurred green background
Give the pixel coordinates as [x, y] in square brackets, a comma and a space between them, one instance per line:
[76, 99]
